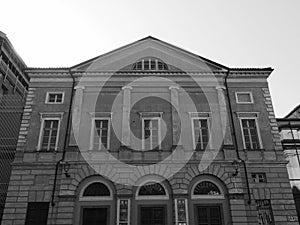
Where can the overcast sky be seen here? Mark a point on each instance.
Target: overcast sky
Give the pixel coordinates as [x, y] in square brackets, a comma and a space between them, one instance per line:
[235, 33]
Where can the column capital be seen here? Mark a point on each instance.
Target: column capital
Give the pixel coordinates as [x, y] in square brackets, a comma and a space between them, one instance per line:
[127, 87]
[79, 87]
[174, 87]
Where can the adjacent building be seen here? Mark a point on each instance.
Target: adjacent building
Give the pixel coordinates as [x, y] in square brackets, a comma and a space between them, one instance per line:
[289, 128]
[149, 134]
[13, 90]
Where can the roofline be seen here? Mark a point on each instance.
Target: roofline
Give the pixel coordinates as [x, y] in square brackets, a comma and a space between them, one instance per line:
[4, 36]
[291, 112]
[156, 39]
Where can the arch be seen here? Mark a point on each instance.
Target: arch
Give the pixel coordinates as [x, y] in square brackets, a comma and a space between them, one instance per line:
[206, 188]
[152, 187]
[208, 193]
[95, 188]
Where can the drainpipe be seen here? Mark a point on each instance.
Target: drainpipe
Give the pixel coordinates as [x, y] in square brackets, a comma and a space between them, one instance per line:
[61, 161]
[235, 138]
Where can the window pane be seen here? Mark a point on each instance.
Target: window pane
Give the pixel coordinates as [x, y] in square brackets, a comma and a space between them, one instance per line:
[244, 97]
[101, 134]
[250, 134]
[201, 134]
[49, 134]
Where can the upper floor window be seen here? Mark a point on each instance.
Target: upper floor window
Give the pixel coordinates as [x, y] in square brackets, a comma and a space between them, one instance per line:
[200, 133]
[150, 64]
[55, 97]
[49, 134]
[244, 97]
[151, 133]
[251, 138]
[100, 134]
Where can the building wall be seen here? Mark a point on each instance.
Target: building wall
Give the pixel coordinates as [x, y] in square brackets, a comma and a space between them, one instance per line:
[34, 171]
[13, 89]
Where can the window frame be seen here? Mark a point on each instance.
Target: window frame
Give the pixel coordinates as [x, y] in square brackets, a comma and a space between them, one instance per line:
[257, 130]
[208, 128]
[93, 133]
[244, 92]
[95, 198]
[55, 92]
[41, 134]
[193, 196]
[151, 197]
[158, 118]
[256, 179]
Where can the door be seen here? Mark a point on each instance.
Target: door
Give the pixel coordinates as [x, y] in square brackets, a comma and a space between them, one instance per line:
[153, 215]
[208, 215]
[94, 216]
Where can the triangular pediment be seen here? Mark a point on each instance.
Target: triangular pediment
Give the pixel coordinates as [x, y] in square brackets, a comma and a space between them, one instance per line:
[123, 58]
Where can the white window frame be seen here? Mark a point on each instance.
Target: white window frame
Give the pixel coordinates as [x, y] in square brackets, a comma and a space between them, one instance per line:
[151, 197]
[257, 130]
[55, 92]
[193, 131]
[93, 133]
[39, 147]
[96, 198]
[159, 131]
[221, 196]
[244, 92]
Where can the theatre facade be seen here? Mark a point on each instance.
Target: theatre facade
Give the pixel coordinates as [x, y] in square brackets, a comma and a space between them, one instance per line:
[149, 134]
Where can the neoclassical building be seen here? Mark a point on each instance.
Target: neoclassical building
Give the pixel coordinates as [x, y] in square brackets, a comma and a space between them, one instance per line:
[149, 134]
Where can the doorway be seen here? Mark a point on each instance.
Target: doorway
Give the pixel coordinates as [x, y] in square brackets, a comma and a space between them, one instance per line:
[153, 215]
[94, 216]
[208, 215]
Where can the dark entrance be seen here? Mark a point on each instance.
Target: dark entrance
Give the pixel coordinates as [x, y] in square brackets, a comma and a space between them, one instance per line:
[208, 215]
[94, 216]
[153, 215]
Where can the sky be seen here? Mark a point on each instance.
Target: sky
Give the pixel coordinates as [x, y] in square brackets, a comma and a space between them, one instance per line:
[234, 33]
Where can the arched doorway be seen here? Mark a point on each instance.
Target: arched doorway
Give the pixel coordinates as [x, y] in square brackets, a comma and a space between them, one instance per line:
[153, 205]
[208, 202]
[95, 203]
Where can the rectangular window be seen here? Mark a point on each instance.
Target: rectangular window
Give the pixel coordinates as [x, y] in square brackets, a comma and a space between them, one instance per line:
[250, 134]
[243, 97]
[55, 97]
[100, 133]
[49, 136]
[264, 212]
[200, 133]
[259, 177]
[151, 133]
[37, 213]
